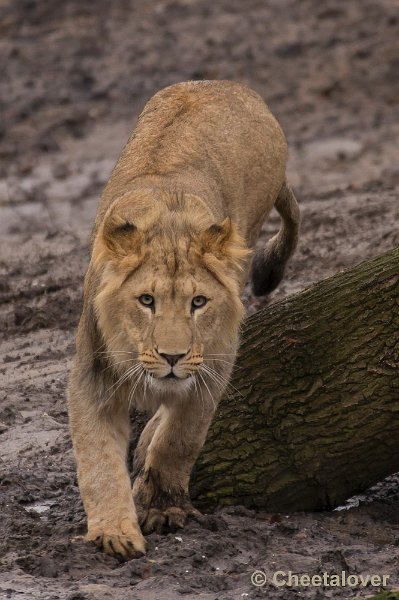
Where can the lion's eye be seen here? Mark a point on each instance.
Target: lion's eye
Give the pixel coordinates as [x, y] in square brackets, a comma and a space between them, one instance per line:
[198, 302]
[147, 300]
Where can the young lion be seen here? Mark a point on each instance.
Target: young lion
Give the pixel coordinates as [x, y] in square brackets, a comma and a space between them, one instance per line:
[159, 329]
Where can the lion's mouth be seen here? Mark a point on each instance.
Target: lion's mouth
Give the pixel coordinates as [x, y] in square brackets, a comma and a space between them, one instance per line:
[170, 375]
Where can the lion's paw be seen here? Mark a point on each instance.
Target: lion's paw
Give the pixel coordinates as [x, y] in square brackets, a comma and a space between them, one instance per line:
[122, 542]
[166, 520]
[160, 507]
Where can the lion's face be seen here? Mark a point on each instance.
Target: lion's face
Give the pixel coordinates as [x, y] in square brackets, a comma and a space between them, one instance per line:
[168, 305]
[171, 324]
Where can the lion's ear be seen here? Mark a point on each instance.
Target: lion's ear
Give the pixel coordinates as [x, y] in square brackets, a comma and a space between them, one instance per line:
[225, 243]
[121, 236]
[217, 235]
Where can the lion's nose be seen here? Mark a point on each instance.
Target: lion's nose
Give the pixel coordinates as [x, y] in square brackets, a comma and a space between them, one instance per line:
[171, 358]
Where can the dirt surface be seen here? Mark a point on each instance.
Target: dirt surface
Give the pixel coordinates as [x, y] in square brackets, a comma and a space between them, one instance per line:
[75, 76]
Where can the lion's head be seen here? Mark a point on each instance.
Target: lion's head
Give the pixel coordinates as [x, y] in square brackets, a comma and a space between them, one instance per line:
[168, 303]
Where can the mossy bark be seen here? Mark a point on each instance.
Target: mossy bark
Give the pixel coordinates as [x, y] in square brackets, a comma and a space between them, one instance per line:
[316, 416]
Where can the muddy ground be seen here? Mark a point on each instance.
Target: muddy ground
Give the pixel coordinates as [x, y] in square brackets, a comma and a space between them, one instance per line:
[74, 77]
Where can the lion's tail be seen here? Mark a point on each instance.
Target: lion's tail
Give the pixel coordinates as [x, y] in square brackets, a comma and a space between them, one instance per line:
[269, 263]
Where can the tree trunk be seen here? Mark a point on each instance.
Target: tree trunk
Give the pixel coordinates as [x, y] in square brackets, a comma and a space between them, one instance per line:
[316, 415]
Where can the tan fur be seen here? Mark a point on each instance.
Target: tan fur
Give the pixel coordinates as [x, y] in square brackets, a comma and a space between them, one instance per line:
[178, 219]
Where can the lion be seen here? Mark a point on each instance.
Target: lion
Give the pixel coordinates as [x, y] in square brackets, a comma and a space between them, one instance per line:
[172, 247]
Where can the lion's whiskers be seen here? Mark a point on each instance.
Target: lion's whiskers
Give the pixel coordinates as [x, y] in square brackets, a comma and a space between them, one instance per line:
[221, 379]
[218, 383]
[113, 365]
[123, 378]
[222, 354]
[198, 389]
[131, 393]
[147, 380]
[209, 391]
[110, 352]
[227, 362]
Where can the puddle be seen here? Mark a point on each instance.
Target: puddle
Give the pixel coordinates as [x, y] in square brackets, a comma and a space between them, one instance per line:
[39, 507]
[353, 502]
[387, 488]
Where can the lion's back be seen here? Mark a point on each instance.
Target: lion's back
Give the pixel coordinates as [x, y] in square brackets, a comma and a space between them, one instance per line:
[217, 137]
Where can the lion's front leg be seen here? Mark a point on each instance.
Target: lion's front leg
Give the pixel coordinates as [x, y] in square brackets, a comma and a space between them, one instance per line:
[161, 486]
[100, 440]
